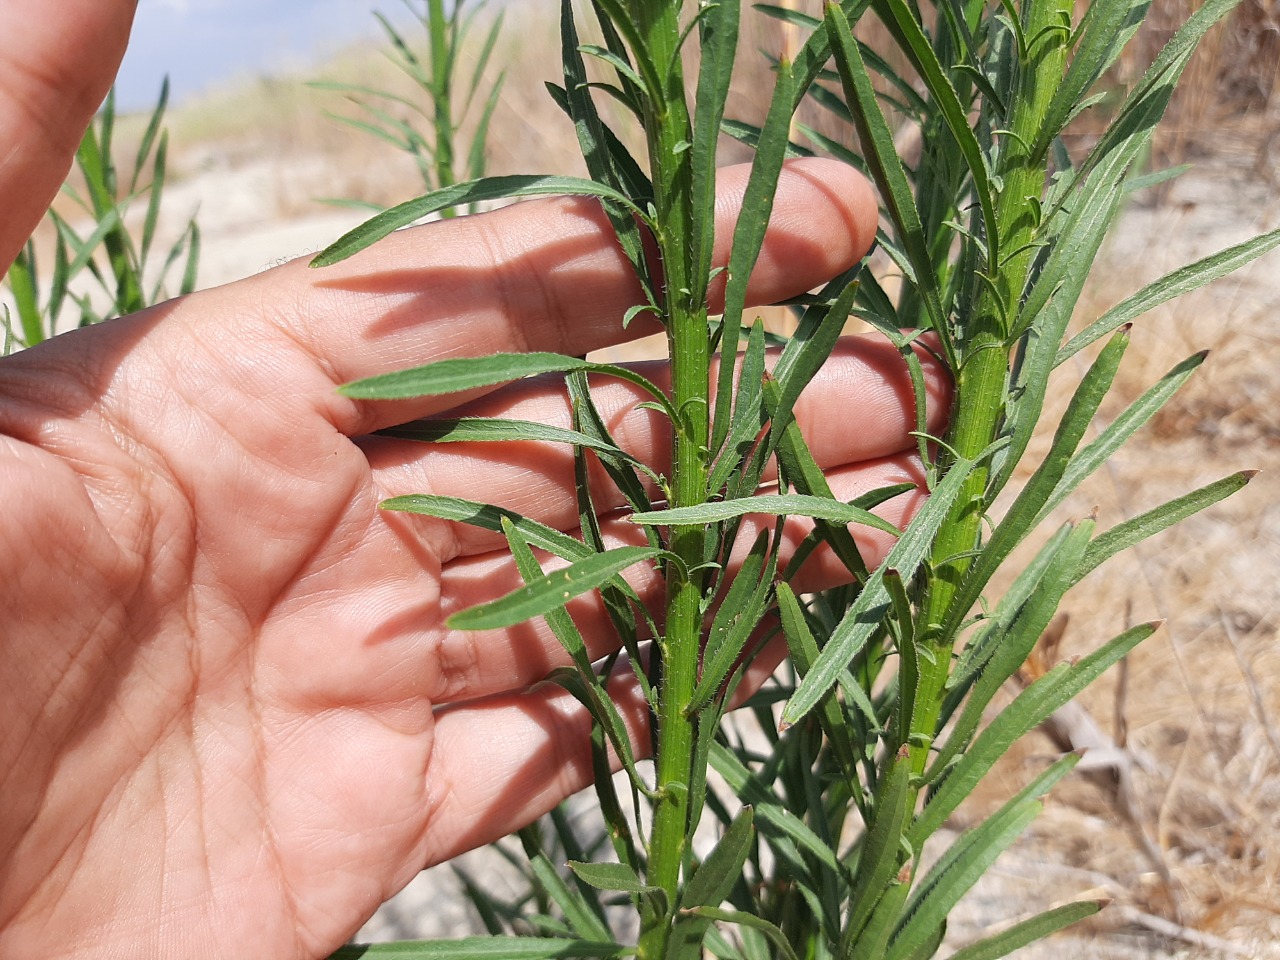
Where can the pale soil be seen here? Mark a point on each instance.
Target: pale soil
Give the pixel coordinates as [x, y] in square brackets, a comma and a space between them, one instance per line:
[1210, 803]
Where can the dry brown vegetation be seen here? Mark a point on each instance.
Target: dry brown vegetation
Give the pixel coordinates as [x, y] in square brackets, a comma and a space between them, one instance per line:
[1182, 829]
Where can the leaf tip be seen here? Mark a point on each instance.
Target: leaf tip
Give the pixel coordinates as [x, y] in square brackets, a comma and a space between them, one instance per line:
[1248, 475]
[1156, 624]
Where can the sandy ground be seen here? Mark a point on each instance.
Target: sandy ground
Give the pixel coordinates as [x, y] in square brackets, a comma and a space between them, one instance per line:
[1194, 861]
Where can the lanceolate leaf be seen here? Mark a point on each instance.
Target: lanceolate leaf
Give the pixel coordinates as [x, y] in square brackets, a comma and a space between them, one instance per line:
[967, 860]
[863, 618]
[1019, 637]
[495, 430]
[1139, 528]
[748, 236]
[883, 162]
[1028, 931]
[488, 517]
[598, 150]
[552, 590]
[472, 191]
[776, 936]
[719, 35]
[738, 616]
[460, 373]
[784, 829]
[1105, 30]
[880, 857]
[1031, 708]
[804, 650]
[1184, 280]
[1116, 433]
[578, 912]
[716, 875]
[611, 876]
[1017, 522]
[469, 373]
[794, 505]
[900, 20]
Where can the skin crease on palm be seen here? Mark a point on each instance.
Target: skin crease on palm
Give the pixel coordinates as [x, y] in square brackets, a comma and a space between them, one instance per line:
[231, 721]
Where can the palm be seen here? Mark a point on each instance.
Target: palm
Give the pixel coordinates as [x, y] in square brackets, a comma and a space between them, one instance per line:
[240, 712]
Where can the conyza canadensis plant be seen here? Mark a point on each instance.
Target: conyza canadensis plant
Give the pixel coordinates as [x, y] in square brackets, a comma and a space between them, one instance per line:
[873, 732]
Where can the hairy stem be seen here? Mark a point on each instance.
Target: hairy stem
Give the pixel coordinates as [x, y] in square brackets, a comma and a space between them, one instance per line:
[669, 133]
[980, 381]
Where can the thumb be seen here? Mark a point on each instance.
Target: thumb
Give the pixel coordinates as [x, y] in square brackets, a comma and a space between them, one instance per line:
[57, 61]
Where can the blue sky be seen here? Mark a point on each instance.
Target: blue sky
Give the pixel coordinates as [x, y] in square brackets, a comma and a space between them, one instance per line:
[199, 42]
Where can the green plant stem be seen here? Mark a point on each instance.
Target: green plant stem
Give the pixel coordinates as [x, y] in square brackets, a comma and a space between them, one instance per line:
[440, 25]
[669, 132]
[980, 382]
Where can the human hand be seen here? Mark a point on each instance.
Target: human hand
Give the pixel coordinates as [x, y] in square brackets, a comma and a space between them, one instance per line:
[233, 720]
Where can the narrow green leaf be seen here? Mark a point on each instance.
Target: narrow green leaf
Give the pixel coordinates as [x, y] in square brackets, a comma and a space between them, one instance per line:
[899, 18]
[159, 171]
[191, 270]
[552, 590]
[578, 911]
[748, 412]
[786, 832]
[804, 650]
[1017, 521]
[748, 237]
[469, 373]
[1139, 528]
[22, 284]
[881, 855]
[966, 860]
[1017, 639]
[458, 374]
[491, 518]
[596, 149]
[778, 505]
[885, 166]
[611, 876]
[149, 135]
[810, 346]
[499, 430]
[884, 918]
[1028, 931]
[477, 153]
[1184, 280]
[719, 47]
[715, 876]
[620, 468]
[1116, 433]
[992, 629]
[736, 618]
[1028, 710]
[864, 617]
[471, 191]
[738, 917]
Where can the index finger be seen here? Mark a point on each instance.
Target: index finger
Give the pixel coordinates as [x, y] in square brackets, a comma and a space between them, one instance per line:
[542, 275]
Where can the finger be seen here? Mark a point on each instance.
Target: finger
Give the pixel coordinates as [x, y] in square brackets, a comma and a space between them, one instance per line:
[471, 664]
[541, 275]
[860, 406]
[499, 764]
[57, 61]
